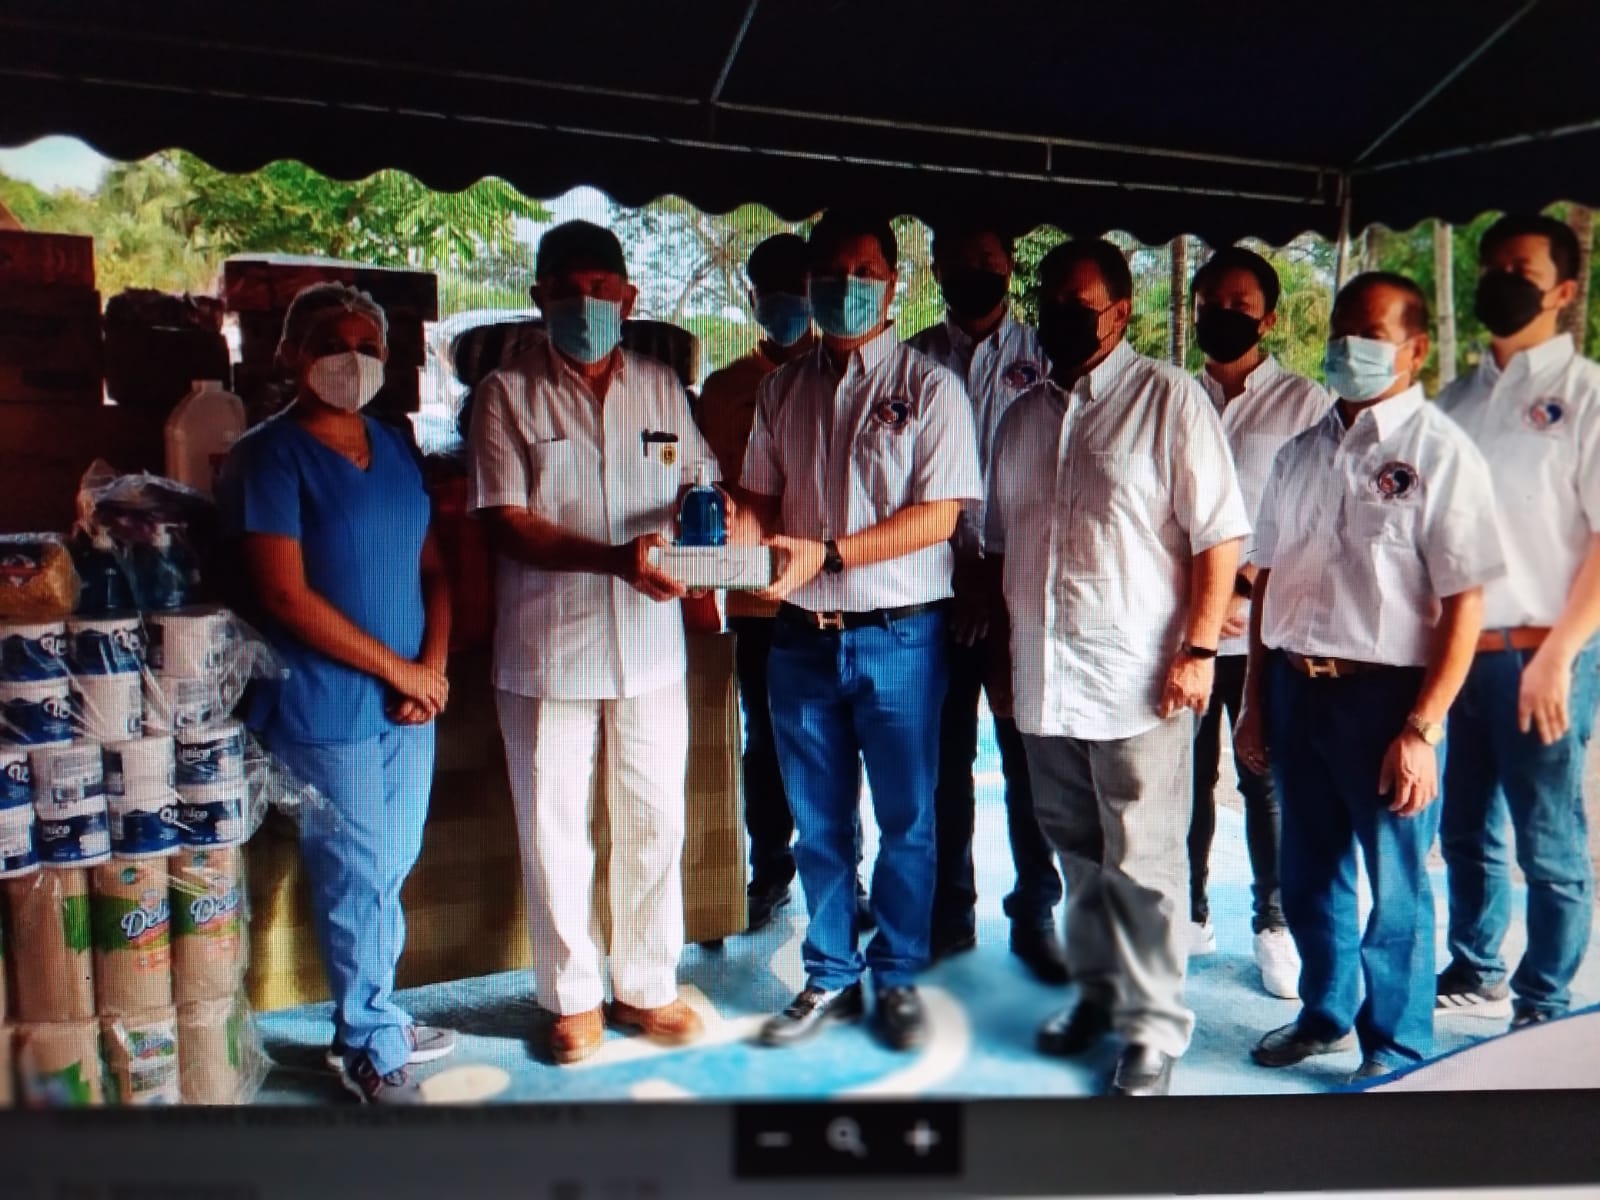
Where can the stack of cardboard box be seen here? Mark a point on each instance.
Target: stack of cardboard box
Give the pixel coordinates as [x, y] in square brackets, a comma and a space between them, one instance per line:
[259, 290]
[51, 350]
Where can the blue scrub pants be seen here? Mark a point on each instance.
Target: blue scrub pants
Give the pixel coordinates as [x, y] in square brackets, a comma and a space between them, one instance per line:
[358, 849]
[871, 694]
[1328, 738]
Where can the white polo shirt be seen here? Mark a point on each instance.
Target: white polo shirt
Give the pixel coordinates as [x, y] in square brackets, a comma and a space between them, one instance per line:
[1366, 530]
[996, 370]
[1275, 405]
[848, 451]
[1538, 424]
[541, 442]
[1099, 498]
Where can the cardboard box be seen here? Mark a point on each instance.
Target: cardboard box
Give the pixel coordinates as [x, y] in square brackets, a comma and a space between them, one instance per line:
[267, 283]
[700, 568]
[50, 328]
[45, 449]
[46, 258]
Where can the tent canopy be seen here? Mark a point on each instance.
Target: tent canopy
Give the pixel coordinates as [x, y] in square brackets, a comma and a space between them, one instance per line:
[1224, 119]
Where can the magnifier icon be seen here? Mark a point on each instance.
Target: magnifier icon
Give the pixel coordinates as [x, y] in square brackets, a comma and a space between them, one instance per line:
[844, 1135]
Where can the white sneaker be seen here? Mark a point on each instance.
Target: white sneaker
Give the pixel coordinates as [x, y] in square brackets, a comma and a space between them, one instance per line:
[1279, 962]
[1202, 939]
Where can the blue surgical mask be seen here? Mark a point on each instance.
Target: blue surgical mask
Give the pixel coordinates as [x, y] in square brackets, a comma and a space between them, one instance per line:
[583, 328]
[1359, 368]
[784, 317]
[848, 308]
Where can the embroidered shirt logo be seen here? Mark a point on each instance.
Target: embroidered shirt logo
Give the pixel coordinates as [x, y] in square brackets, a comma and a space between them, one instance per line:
[1396, 481]
[1020, 374]
[892, 414]
[1544, 414]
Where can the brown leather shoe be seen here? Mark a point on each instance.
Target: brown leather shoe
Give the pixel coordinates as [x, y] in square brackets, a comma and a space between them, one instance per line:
[576, 1036]
[674, 1024]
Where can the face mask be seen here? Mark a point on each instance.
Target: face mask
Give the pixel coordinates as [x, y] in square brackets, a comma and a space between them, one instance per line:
[1225, 334]
[347, 382]
[784, 317]
[1506, 303]
[971, 292]
[1069, 333]
[583, 328]
[1359, 368]
[848, 308]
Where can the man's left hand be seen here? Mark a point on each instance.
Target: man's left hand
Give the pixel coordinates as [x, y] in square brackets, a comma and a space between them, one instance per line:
[969, 612]
[1189, 682]
[1544, 694]
[802, 559]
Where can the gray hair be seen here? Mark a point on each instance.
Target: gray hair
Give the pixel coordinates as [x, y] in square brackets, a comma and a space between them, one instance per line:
[314, 304]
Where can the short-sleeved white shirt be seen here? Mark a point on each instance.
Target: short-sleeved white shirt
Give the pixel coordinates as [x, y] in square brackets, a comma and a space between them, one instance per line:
[996, 370]
[1366, 530]
[846, 452]
[1099, 498]
[540, 442]
[1538, 425]
[1275, 405]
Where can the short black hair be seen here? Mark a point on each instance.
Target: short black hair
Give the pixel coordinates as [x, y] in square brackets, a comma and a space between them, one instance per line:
[778, 262]
[1106, 256]
[955, 232]
[840, 225]
[1564, 251]
[1415, 315]
[579, 246]
[1238, 258]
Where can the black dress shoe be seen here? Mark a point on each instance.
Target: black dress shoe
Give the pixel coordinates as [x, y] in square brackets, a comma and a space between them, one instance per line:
[1142, 1071]
[949, 945]
[763, 902]
[1039, 948]
[901, 1021]
[865, 921]
[1073, 1030]
[809, 1012]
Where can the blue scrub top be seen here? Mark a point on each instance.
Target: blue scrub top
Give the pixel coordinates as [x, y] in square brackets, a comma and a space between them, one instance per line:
[361, 535]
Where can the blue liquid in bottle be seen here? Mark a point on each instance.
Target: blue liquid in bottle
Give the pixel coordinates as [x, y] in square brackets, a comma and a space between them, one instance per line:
[703, 518]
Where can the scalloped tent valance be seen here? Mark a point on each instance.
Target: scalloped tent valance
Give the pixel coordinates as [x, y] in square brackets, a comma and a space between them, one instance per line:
[1247, 118]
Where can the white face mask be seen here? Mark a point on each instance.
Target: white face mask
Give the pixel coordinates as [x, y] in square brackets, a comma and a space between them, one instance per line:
[347, 381]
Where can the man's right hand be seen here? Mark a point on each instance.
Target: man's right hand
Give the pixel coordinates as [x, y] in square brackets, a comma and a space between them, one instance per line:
[418, 682]
[1250, 738]
[636, 570]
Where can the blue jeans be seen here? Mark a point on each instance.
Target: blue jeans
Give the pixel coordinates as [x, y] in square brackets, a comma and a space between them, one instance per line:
[838, 699]
[358, 849]
[1328, 738]
[1495, 768]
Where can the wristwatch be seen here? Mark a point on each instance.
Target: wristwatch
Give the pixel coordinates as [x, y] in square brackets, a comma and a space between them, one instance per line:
[1194, 651]
[1431, 732]
[832, 561]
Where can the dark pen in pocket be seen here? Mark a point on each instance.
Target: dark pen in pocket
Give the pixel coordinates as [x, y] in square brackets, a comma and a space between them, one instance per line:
[653, 437]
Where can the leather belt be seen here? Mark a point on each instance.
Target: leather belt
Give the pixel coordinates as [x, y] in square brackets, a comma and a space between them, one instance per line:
[1524, 637]
[1331, 668]
[834, 622]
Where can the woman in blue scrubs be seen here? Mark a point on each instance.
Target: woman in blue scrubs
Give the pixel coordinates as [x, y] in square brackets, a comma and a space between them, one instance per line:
[331, 518]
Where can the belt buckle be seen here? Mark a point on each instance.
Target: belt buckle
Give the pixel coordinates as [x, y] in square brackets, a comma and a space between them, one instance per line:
[830, 622]
[1321, 668]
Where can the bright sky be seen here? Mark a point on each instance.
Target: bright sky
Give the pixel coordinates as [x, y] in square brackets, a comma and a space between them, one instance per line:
[54, 163]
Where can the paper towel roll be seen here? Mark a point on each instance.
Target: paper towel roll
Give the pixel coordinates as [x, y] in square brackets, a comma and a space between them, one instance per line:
[144, 822]
[140, 760]
[131, 916]
[33, 650]
[70, 802]
[59, 1065]
[214, 815]
[191, 641]
[209, 932]
[19, 849]
[187, 702]
[105, 645]
[141, 1059]
[214, 1051]
[210, 754]
[108, 708]
[35, 714]
[50, 945]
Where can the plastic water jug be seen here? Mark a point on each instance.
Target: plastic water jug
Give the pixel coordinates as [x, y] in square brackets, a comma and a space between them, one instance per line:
[201, 431]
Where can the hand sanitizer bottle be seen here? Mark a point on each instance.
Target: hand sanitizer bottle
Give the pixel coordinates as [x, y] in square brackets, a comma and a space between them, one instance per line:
[703, 519]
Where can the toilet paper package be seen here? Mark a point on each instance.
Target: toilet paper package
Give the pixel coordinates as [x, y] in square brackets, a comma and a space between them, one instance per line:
[131, 919]
[35, 713]
[140, 1051]
[32, 651]
[220, 1059]
[50, 946]
[59, 1064]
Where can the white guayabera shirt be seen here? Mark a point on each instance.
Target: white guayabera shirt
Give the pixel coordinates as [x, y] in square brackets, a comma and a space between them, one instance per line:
[1100, 497]
[1538, 425]
[1366, 530]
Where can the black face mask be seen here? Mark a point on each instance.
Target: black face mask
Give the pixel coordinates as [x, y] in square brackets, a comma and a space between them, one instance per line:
[1069, 333]
[971, 292]
[1507, 302]
[1226, 334]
